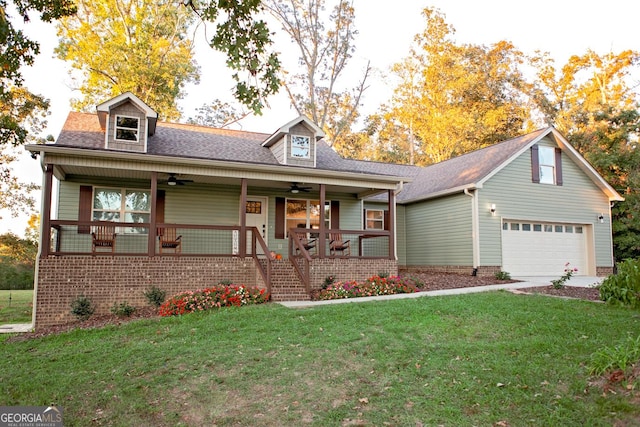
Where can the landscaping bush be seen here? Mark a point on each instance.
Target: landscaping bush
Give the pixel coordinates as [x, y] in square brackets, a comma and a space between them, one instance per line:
[373, 286]
[124, 309]
[624, 287]
[82, 307]
[503, 275]
[214, 297]
[155, 296]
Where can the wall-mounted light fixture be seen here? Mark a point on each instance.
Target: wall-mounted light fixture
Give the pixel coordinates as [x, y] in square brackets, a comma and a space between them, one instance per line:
[601, 218]
[492, 209]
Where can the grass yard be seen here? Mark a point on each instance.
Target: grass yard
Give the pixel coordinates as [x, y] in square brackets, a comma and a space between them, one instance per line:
[18, 308]
[469, 360]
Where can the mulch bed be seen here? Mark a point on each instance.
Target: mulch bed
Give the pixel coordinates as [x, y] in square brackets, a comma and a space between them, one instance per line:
[432, 282]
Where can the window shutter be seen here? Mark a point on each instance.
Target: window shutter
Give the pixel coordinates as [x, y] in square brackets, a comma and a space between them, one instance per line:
[558, 166]
[535, 164]
[85, 206]
[386, 220]
[160, 195]
[335, 214]
[279, 228]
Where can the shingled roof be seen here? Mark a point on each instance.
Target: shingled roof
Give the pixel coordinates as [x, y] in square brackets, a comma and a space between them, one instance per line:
[82, 130]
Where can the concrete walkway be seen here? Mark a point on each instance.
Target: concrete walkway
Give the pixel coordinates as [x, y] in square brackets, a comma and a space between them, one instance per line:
[14, 328]
[525, 282]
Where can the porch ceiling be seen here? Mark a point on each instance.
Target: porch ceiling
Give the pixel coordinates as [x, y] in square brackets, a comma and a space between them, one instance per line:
[280, 183]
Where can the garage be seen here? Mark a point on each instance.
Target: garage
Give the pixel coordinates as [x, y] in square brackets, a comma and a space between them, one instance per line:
[543, 248]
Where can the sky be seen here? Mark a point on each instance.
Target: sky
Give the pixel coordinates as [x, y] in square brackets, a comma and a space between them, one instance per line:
[385, 33]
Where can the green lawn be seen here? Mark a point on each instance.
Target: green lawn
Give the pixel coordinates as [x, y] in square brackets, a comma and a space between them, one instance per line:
[16, 306]
[469, 360]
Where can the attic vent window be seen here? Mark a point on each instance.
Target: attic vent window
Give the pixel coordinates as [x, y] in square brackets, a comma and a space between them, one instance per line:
[300, 146]
[127, 128]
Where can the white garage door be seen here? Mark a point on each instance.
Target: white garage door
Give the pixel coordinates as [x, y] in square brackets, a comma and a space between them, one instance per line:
[542, 249]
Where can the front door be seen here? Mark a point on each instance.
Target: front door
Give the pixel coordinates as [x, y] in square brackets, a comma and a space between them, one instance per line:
[256, 211]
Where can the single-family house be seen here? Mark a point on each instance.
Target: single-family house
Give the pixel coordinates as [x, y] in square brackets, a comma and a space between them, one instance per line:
[129, 202]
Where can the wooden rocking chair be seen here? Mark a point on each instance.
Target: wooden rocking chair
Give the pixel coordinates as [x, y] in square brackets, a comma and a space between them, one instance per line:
[168, 240]
[337, 244]
[309, 245]
[103, 237]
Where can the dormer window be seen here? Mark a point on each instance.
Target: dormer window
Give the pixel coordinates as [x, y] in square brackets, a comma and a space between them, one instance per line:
[127, 128]
[300, 147]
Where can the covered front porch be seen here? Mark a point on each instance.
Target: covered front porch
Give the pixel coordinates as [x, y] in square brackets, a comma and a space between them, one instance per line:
[249, 227]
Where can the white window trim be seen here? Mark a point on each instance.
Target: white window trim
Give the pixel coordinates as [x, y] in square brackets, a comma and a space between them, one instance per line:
[551, 165]
[123, 204]
[116, 127]
[294, 146]
[381, 220]
[308, 217]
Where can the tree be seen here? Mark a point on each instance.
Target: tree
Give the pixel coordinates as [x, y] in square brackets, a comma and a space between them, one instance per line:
[17, 262]
[593, 101]
[217, 114]
[129, 45]
[454, 98]
[22, 113]
[324, 55]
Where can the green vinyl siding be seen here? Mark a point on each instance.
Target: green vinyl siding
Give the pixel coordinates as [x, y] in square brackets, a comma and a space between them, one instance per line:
[577, 201]
[401, 234]
[440, 231]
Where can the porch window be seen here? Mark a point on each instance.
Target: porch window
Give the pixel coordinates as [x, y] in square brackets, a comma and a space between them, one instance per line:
[302, 213]
[122, 205]
[127, 128]
[375, 219]
[300, 147]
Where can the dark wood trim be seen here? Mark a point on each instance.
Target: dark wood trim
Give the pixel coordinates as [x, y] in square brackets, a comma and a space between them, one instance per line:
[85, 205]
[243, 218]
[279, 226]
[322, 228]
[335, 214]
[535, 164]
[153, 218]
[392, 228]
[558, 166]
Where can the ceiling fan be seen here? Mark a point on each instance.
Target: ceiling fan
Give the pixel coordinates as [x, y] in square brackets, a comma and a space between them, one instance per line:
[173, 180]
[295, 188]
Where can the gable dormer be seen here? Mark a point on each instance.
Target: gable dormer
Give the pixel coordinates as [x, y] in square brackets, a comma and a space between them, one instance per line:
[127, 123]
[295, 143]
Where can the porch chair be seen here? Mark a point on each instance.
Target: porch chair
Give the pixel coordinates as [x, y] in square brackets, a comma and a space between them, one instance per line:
[168, 239]
[309, 245]
[103, 237]
[337, 244]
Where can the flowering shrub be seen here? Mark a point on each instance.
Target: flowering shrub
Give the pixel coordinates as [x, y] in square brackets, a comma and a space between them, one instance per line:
[374, 285]
[214, 297]
[568, 272]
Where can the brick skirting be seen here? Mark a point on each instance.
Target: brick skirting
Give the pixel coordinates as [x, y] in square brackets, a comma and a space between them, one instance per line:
[109, 280]
[485, 270]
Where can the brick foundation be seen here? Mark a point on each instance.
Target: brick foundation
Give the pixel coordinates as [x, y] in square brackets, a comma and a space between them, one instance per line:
[107, 280]
[604, 271]
[485, 270]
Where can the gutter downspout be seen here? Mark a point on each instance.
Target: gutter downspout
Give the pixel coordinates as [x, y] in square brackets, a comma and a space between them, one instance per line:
[475, 226]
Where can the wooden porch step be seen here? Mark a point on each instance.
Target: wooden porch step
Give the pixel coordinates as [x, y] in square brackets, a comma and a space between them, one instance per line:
[285, 283]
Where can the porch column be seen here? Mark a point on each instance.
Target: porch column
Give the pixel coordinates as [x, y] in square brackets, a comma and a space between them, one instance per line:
[392, 224]
[323, 233]
[153, 220]
[243, 218]
[45, 238]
